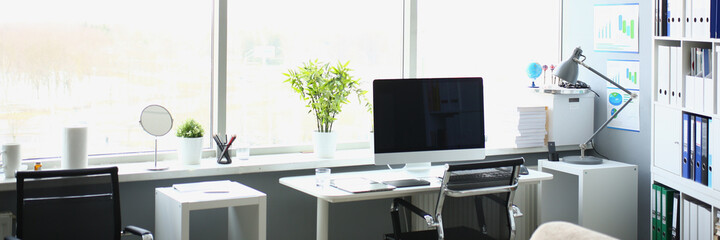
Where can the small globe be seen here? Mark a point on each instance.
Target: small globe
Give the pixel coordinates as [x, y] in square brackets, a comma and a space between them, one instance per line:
[534, 70]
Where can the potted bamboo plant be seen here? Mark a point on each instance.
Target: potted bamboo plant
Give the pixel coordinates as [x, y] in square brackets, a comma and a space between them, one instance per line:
[326, 89]
[190, 135]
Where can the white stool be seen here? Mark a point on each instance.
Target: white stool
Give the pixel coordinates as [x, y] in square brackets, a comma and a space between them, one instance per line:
[247, 207]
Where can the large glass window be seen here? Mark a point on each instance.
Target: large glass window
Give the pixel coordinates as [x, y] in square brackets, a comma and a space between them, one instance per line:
[99, 63]
[266, 38]
[481, 38]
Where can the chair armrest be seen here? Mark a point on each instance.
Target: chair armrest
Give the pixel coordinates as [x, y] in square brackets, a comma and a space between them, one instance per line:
[145, 234]
[397, 202]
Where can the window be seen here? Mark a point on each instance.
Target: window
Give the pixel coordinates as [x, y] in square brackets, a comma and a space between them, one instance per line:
[100, 63]
[480, 38]
[265, 40]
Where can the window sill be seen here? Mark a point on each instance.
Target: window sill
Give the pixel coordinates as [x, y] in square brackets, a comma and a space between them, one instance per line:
[138, 171]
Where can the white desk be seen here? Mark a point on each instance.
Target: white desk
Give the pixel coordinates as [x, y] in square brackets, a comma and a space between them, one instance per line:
[247, 207]
[328, 195]
[601, 197]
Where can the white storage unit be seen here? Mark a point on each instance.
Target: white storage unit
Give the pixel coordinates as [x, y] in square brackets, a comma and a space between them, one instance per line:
[247, 218]
[601, 197]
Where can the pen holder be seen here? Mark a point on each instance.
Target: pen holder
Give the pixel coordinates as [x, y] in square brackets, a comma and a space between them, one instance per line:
[223, 158]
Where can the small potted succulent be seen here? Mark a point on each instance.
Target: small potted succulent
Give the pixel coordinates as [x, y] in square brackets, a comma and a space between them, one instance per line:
[190, 135]
[326, 89]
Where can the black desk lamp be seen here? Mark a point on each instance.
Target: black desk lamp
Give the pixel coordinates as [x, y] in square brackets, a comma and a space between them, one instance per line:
[568, 71]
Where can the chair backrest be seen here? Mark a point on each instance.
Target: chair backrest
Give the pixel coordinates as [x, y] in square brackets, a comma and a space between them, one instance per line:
[68, 204]
[496, 180]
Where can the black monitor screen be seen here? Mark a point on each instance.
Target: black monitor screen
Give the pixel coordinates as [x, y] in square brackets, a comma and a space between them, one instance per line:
[428, 114]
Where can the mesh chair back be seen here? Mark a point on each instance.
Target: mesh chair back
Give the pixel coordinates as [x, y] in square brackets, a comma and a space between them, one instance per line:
[68, 204]
[491, 184]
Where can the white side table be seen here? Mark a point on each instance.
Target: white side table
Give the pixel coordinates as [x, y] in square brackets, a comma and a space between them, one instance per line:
[247, 207]
[601, 197]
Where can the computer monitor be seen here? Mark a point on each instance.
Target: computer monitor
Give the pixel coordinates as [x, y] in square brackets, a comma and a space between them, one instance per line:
[428, 120]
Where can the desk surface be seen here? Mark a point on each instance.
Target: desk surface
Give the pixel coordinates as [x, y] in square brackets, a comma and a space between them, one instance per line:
[306, 184]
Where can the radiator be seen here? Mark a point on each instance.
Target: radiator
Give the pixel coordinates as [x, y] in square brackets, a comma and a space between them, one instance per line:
[456, 210]
[5, 224]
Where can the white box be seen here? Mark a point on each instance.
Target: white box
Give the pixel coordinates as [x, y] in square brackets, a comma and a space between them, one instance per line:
[574, 122]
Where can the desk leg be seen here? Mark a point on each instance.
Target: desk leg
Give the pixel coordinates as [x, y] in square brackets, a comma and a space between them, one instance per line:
[171, 220]
[323, 210]
[248, 222]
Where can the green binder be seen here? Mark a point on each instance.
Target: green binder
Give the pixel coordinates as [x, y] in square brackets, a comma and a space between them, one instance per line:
[666, 212]
[662, 231]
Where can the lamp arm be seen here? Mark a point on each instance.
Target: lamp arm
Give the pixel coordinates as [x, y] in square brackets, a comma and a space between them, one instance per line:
[608, 121]
[583, 146]
[603, 76]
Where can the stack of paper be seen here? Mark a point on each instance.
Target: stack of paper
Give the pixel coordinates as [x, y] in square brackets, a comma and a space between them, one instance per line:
[531, 127]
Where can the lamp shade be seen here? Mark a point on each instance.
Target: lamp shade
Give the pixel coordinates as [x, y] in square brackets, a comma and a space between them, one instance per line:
[568, 70]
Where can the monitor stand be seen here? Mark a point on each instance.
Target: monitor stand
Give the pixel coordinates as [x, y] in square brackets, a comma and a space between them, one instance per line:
[418, 169]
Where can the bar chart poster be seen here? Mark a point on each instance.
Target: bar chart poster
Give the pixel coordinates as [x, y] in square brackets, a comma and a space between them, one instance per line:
[624, 73]
[616, 27]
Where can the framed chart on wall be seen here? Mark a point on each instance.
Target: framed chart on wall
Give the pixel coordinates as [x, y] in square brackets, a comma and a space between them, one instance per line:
[616, 27]
[625, 73]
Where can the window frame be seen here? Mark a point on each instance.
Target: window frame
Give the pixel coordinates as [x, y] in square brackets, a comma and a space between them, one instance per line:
[218, 81]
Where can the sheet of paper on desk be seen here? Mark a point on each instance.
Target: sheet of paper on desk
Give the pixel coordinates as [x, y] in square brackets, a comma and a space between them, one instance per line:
[209, 186]
[360, 185]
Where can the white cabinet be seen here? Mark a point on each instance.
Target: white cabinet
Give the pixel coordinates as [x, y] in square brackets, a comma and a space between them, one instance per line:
[667, 138]
[601, 197]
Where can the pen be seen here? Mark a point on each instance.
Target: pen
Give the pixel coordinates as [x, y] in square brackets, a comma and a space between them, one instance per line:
[217, 140]
[231, 140]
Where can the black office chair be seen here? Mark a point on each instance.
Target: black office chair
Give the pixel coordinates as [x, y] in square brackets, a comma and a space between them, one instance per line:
[492, 184]
[70, 204]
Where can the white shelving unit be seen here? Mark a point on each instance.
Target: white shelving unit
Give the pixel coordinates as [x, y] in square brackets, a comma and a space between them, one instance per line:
[667, 112]
[591, 196]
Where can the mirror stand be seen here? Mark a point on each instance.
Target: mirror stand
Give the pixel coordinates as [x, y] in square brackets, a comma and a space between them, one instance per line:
[156, 168]
[156, 121]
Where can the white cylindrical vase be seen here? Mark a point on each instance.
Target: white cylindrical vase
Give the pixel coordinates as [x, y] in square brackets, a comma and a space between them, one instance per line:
[74, 152]
[10, 159]
[371, 141]
[190, 150]
[324, 144]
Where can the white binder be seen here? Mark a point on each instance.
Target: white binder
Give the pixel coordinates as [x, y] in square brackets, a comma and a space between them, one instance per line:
[688, 18]
[699, 93]
[663, 77]
[674, 76]
[674, 18]
[688, 95]
[705, 225]
[693, 227]
[685, 231]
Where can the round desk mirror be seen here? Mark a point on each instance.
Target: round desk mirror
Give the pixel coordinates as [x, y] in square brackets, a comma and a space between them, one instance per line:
[157, 121]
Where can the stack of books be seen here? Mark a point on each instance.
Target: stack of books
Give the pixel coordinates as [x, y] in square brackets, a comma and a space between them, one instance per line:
[531, 126]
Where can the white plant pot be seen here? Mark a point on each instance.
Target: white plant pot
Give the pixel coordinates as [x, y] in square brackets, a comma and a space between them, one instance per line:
[324, 144]
[190, 150]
